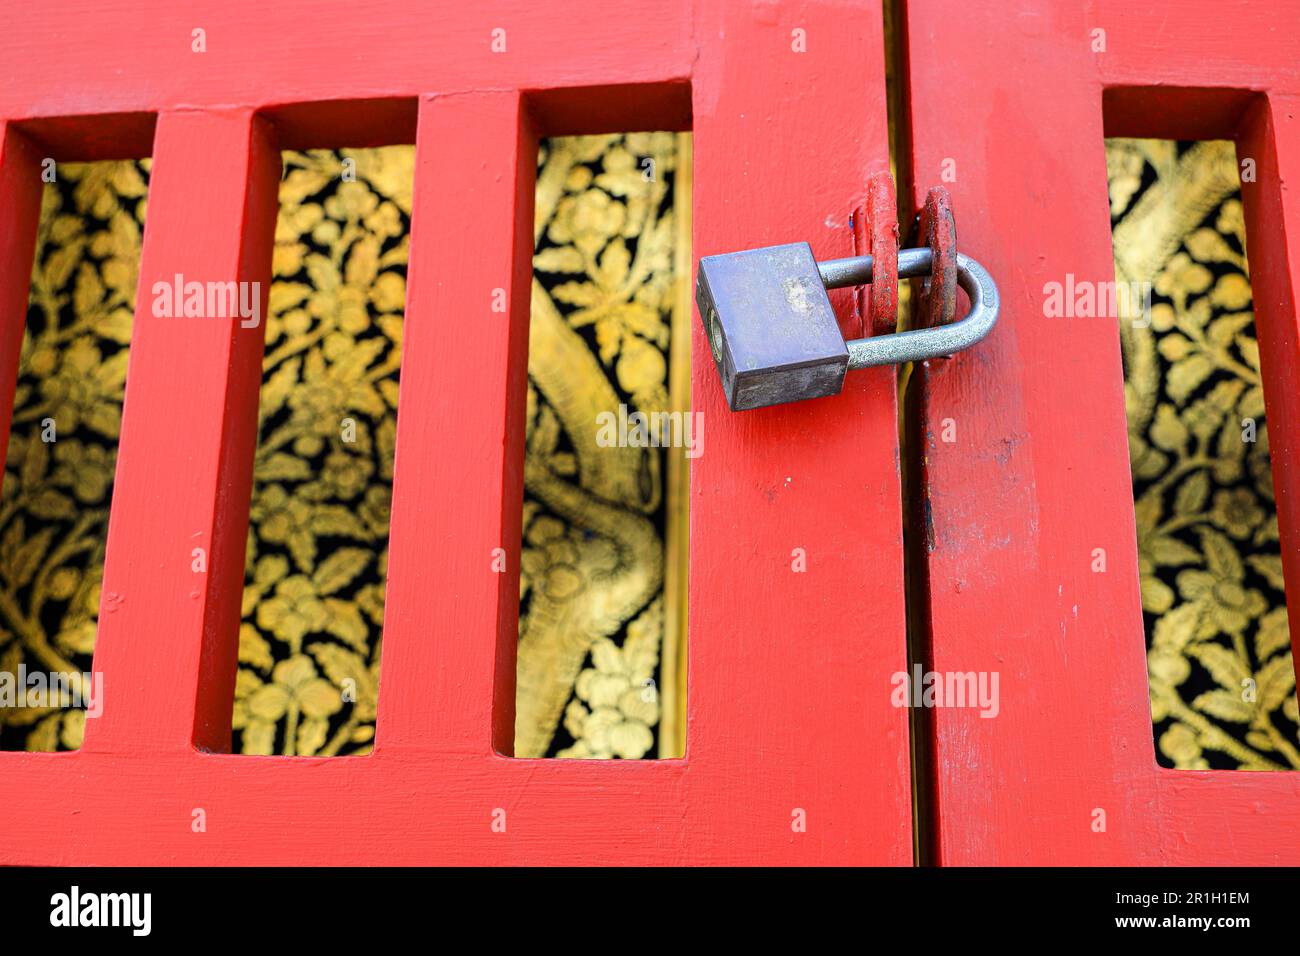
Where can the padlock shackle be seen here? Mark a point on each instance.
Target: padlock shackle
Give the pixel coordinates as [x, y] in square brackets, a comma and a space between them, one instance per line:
[856, 270]
[918, 344]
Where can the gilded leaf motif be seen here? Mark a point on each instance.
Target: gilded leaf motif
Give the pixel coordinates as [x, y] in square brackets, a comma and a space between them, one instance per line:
[1222, 678]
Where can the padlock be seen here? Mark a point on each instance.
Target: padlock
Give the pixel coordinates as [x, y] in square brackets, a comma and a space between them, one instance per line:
[773, 333]
[771, 326]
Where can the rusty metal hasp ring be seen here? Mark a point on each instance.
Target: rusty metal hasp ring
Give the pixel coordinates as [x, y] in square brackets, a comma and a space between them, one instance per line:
[774, 335]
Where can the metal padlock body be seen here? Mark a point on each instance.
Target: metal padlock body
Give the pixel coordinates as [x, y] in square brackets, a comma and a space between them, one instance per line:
[770, 326]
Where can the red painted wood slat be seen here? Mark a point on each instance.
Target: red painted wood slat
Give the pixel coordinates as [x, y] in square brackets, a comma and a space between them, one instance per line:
[447, 674]
[168, 635]
[784, 146]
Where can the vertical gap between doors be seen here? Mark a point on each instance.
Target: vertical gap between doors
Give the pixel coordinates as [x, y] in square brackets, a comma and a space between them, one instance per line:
[911, 422]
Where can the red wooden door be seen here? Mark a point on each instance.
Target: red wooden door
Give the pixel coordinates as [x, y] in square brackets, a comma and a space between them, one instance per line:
[1038, 477]
[794, 751]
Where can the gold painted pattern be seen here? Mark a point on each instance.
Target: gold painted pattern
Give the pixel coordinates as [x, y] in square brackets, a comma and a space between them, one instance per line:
[605, 298]
[605, 305]
[63, 439]
[309, 643]
[1221, 673]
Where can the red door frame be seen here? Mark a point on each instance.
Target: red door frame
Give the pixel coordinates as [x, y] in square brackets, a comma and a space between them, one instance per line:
[1039, 476]
[789, 672]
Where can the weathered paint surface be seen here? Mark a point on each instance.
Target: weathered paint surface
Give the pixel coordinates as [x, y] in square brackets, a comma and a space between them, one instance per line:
[1039, 475]
[882, 219]
[789, 712]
